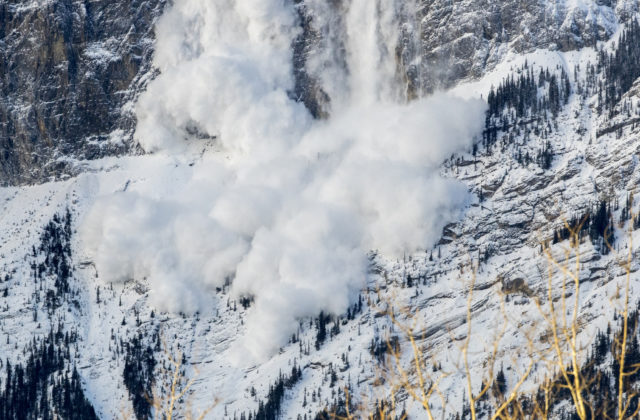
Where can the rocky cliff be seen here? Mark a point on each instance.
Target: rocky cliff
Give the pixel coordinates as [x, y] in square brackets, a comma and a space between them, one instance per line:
[70, 72]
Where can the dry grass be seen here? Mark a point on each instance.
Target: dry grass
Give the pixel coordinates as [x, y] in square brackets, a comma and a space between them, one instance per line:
[173, 402]
[559, 356]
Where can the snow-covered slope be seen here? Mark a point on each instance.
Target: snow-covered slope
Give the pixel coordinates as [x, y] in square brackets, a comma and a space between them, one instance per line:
[517, 200]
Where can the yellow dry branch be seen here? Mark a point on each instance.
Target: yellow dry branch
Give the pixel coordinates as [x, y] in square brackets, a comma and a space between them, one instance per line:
[500, 405]
[624, 404]
[560, 355]
[422, 387]
[423, 391]
[165, 405]
[566, 333]
[381, 411]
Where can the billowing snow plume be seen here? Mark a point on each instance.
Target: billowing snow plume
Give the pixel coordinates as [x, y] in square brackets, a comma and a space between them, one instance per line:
[290, 206]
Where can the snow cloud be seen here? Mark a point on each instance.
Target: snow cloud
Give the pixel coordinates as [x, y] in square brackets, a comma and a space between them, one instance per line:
[288, 209]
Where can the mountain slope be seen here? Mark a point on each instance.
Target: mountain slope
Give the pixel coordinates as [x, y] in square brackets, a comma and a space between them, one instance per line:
[560, 145]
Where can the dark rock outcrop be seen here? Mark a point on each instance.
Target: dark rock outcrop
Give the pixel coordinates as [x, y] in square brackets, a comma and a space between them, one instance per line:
[69, 71]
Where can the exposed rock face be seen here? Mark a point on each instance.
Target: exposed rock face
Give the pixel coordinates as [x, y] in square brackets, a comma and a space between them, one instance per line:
[69, 72]
[463, 38]
[442, 42]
